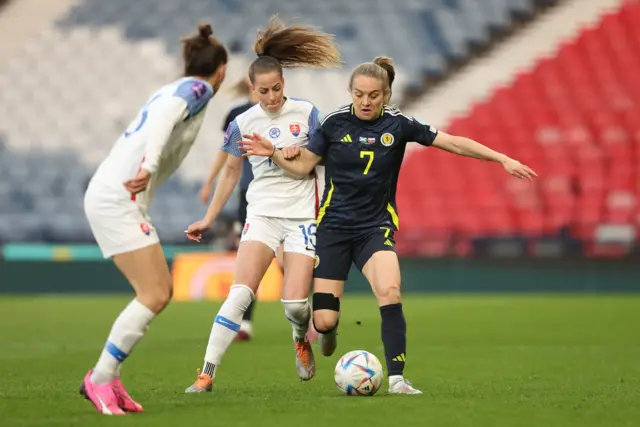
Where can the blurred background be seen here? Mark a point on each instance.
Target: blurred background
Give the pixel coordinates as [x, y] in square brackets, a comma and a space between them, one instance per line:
[551, 83]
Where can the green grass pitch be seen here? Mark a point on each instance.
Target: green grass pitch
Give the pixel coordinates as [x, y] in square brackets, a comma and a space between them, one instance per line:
[490, 360]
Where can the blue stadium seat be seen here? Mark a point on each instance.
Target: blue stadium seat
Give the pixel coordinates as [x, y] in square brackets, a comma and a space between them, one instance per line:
[422, 35]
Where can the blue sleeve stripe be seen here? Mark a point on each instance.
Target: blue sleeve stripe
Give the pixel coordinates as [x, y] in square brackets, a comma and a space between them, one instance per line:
[231, 139]
[221, 320]
[314, 120]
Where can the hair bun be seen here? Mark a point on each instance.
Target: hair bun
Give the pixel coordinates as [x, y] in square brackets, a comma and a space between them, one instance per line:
[383, 61]
[205, 30]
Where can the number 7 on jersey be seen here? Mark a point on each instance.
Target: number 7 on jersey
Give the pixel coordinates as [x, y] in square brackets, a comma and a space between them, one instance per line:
[368, 154]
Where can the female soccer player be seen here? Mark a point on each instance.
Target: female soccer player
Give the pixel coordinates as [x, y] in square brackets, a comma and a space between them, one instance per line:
[281, 208]
[363, 145]
[242, 88]
[117, 201]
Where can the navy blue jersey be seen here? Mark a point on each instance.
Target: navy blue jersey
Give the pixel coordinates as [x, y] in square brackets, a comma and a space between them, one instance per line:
[363, 160]
[247, 173]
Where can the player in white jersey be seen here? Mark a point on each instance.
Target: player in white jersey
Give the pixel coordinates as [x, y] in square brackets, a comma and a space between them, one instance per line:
[281, 208]
[117, 202]
[243, 87]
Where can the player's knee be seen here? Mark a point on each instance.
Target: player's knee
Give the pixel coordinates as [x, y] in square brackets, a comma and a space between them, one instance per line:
[325, 323]
[389, 294]
[158, 297]
[297, 311]
[326, 312]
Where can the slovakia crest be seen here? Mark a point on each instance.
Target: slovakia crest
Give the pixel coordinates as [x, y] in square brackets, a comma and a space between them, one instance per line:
[144, 227]
[295, 129]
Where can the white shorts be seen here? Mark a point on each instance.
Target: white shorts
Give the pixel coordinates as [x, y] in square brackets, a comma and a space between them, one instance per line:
[298, 235]
[117, 225]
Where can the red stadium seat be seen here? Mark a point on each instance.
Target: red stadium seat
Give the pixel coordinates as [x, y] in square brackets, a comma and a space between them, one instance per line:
[575, 118]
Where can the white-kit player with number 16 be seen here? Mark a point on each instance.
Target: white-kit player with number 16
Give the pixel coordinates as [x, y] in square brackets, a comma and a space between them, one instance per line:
[281, 207]
[117, 201]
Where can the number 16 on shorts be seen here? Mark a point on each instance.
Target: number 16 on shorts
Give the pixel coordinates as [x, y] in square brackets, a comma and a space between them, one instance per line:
[309, 234]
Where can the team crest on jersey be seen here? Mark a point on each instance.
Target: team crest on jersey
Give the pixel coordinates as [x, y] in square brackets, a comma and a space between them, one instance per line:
[317, 262]
[387, 139]
[295, 129]
[274, 133]
[146, 229]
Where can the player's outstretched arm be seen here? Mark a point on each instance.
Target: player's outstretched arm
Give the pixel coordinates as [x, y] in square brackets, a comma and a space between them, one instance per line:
[470, 148]
[216, 167]
[299, 165]
[229, 177]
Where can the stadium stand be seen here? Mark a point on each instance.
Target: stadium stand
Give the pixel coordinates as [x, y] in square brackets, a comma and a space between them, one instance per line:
[552, 117]
[434, 27]
[574, 118]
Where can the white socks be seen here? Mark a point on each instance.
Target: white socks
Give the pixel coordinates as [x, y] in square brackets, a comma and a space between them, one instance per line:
[127, 330]
[298, 312]
[226, 326]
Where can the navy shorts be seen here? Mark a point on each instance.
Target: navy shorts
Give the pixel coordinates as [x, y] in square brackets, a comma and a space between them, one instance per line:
[336, 250]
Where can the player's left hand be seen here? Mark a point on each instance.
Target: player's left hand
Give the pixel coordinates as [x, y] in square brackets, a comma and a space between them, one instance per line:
[139, 183]
[517, 169]
[256, 145]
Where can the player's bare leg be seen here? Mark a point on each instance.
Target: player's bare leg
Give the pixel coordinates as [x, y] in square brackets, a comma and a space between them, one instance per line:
[147, 271]
[253, 260]
[326, 312]
[382, 271]
[295, 297]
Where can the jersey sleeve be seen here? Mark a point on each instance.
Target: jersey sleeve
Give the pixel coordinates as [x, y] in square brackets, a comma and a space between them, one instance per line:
[162, 117]
[227, 121]
[314, 121]
[196, 93]
[231, 139]
[319, 139]
[415, 131]
[319, 142]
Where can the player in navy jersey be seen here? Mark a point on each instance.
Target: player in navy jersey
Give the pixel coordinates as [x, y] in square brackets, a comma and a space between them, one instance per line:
[362, 146]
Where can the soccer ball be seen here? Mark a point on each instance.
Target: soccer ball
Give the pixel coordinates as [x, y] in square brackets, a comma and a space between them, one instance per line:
[358, 373]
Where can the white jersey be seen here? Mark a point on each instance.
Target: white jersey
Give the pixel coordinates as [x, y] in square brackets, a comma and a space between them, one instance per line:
[158, 140]
[273, 192]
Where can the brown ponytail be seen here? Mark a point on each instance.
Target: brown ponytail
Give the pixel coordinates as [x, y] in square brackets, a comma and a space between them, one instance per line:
[203, 54]
[279, 46]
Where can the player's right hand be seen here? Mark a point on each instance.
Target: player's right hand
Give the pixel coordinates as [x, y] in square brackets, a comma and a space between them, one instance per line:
[256, 145]
[291, 152]
[195, 230]
[139, 183]
[205, 193]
